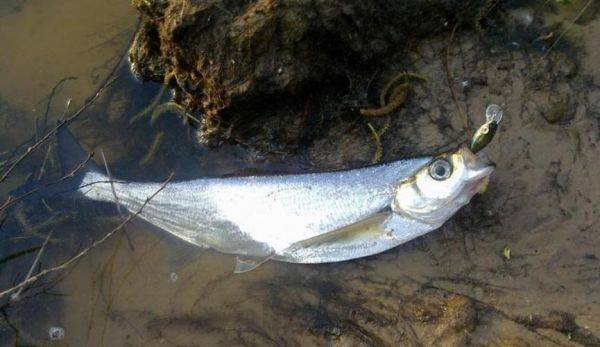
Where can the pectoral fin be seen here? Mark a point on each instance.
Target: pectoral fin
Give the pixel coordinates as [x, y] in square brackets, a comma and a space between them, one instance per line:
[352, 235]
[343, 243]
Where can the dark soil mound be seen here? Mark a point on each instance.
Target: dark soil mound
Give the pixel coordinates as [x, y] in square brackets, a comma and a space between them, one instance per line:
[231, 61]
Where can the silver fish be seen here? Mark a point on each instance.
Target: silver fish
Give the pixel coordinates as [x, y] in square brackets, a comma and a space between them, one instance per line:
[306, 218]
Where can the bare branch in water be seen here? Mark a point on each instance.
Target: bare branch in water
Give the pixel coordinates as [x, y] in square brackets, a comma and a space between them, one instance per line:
[50, 133]
[95, 244]
[110, 78]
[11, 200]
[114, 192]
[446, 66]
[51, 97]
[15, 296]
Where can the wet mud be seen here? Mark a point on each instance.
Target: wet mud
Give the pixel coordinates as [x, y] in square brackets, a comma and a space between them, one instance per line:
[229, 60]
[519, 266]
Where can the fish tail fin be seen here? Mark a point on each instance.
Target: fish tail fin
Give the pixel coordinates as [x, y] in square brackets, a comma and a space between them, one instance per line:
[72, 156]
[74, 162]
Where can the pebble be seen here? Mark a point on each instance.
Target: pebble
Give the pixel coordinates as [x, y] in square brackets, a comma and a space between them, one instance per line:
[56, 333]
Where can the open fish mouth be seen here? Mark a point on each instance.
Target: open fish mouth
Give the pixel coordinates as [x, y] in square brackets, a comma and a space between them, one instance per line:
[479, 176]
[480, 185]
[480, 166]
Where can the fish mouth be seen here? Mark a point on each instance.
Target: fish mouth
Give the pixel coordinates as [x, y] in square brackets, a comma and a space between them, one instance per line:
[480, 167]
[479, 176]
[479, 185]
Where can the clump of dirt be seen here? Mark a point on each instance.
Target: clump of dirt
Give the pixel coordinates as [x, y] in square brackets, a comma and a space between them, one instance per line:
[233, 61]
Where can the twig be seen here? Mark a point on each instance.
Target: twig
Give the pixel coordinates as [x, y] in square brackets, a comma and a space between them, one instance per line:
[446, 65]
[378, 147]
[88, 249]
[10, 201]
[43, 167]
[51, 97]
[15, 296]
[107, 82]
[50, 133]
[112, 188]
[18, 254]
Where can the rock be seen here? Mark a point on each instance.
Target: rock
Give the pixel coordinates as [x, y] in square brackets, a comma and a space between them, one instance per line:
[556, 106]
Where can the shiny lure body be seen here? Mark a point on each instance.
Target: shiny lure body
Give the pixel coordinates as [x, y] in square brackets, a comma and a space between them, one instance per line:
[306, 218]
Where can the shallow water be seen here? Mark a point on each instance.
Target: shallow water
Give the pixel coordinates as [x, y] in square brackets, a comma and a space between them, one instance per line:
[452, 287]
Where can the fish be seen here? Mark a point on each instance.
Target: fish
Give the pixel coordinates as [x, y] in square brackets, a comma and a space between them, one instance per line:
[305, 218]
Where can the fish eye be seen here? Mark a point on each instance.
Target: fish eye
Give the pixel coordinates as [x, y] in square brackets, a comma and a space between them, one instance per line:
[440, 169]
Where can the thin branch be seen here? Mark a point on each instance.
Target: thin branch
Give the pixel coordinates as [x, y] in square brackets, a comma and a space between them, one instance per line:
[446, 65]
[15, 296]
[50, 133]
[11, 200]
[95, 244]
[114, 192]
[51, 97]
[112, 186]
[107, 82]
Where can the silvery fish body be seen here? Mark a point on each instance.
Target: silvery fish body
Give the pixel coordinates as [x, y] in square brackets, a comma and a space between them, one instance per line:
[262, 215]
[305, 218]
[302, 218]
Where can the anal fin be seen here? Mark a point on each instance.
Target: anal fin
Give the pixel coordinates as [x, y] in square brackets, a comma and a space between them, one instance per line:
[244, 263]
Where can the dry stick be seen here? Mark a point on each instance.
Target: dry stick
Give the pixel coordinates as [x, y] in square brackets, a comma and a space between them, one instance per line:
[51, 97]
[88, 249]
[34, 137]
[16, 295]
[378, 147]
[112, 186]
[10, 201]
[107, 82]
[446, 63]
[50, 133]
[43, 167]
[114, 192]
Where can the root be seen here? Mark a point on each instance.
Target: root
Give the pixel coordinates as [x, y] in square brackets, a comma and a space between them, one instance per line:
[149, 157]
[150, 108]
[397, 98]
[402, 75]
[378, 147]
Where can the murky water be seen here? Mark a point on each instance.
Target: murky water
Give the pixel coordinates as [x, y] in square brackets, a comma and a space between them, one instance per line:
[518, 266]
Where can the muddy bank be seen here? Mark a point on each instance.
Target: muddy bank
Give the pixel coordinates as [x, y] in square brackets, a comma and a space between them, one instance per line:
[235, 64]
[459, 285]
